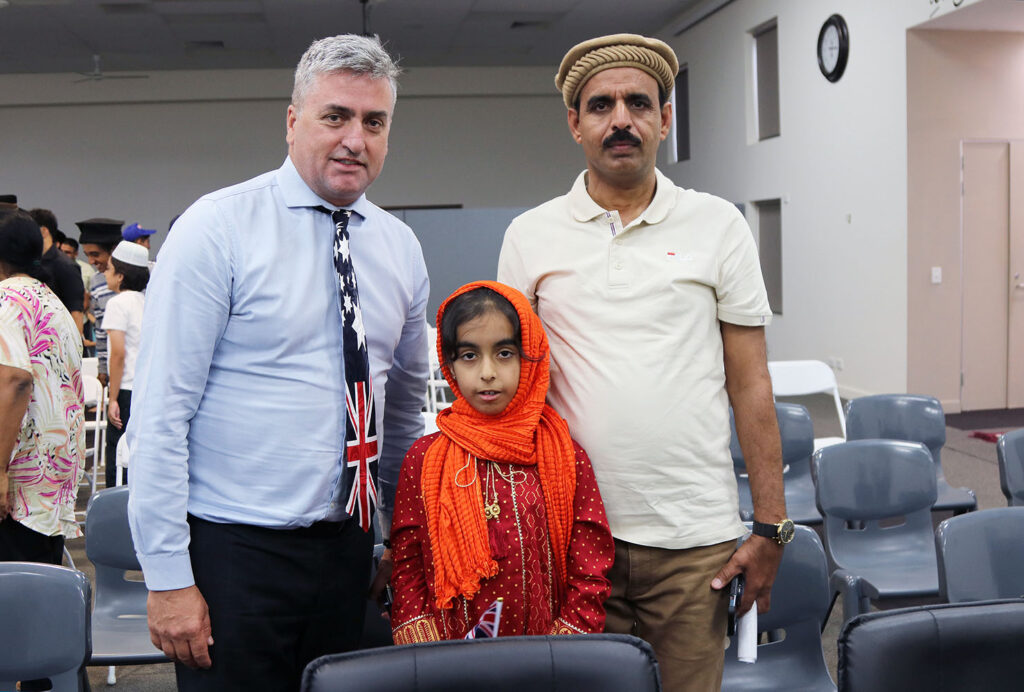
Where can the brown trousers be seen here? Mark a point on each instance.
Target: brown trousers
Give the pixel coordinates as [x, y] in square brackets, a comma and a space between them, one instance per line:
[665, 597]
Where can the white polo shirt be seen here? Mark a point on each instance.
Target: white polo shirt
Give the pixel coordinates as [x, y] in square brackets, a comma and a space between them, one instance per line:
[632, 315]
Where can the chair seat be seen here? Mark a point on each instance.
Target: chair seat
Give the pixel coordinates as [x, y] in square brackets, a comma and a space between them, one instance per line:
[909, 576]
[954, 499]
[800, 503]
[122, 641]
[795, 664]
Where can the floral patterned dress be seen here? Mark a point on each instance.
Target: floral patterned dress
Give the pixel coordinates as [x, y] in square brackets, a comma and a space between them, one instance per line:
[533, 603]
[38, 335]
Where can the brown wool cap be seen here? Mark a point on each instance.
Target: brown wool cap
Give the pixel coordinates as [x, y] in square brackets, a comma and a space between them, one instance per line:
[584, 60]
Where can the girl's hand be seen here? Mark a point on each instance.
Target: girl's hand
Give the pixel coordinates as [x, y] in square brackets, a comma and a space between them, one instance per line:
[114, 413]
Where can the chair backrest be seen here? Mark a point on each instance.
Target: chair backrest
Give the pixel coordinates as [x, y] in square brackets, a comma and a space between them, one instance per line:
[800, 593]
[981, 555]
[796, 431]
[593, 662]
[910, 417]
[962, 646]
[92, 390]
[46, 627]
[108, 538]
[803, 377]
[862, 483]
[91, 366]
[1010, 451]
[867, 480]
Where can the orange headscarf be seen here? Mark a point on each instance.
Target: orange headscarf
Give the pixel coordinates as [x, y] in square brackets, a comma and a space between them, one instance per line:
[527, 432]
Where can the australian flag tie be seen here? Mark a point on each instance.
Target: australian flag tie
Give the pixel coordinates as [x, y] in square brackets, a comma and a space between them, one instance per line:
[361, 444]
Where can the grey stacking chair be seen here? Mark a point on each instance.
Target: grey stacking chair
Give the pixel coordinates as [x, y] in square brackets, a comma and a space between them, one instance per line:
[1010, 451]
[876, 498]
[797, 433]
[914, 418]
[800, 604]
[45, 632]
[981, 555]
[120, 632]
[591, 662]
[958, 646]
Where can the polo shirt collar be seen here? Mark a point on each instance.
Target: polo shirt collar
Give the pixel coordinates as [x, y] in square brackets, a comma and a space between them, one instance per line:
[584, 208]
[297, 193]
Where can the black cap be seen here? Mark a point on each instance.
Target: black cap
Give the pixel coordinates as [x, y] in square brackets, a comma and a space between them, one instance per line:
[100, 231]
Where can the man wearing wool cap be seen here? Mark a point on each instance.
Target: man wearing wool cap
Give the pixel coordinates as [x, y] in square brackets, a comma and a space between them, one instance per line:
[654, 304]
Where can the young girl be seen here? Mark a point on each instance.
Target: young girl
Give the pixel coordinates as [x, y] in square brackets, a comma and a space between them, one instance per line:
[127, 275]
[501, 503]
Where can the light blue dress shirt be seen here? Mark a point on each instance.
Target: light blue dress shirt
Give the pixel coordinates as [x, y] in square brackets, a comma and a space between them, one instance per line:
[238, 410]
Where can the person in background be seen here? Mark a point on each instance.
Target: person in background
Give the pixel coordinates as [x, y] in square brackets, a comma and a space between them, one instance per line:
[135, 233]
[42, 425]
[127, 275]
[98, 238]
[69, 246]
[654, 300]
[501, 503]
[271, 384]
[66, 276]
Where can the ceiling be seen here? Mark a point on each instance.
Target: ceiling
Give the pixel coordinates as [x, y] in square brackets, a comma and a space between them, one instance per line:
[148, 35]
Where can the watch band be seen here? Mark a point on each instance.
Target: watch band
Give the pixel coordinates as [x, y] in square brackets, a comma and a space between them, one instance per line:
[766, 530]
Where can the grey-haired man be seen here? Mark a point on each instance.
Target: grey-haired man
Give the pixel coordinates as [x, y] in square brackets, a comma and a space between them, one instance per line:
[254, 443]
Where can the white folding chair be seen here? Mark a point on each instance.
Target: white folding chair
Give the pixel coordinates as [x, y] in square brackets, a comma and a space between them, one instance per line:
[95, 394]
[438, 393]
[91, 366]
[803, 377]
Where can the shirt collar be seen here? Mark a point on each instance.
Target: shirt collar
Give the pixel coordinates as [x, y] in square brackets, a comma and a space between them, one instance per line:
[297, 193]
[584, 208]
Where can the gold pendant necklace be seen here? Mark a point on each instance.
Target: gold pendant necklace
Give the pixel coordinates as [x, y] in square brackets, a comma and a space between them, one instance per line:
[492, 510]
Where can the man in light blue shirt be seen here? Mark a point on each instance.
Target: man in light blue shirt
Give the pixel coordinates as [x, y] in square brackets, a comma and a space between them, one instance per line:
[237, 440]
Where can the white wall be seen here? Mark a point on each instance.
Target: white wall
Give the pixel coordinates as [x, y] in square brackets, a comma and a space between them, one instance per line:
[143, 150]
[840, 167]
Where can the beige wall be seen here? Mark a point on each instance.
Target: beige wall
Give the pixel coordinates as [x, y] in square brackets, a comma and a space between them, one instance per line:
[960, 85]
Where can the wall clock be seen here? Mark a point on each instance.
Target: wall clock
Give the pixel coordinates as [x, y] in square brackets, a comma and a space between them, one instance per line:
[833, 47]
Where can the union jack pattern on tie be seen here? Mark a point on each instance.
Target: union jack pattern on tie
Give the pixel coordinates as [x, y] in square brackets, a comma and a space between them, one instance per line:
[489, 623]
[361, 444]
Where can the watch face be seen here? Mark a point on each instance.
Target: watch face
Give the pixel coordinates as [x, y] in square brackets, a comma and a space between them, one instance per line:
[786, 531]
[829, 48]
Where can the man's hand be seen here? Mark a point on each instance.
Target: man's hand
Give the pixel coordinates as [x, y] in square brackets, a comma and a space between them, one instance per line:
[758, 558]
[104, 378]
[382, 578]
[114, 413]
[179, 625]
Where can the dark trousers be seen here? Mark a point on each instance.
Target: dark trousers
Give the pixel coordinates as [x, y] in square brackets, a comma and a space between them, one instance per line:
[277, 599]
[124, 401]
[21, 544]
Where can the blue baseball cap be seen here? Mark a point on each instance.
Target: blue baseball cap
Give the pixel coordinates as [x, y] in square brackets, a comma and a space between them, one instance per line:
[134, 232]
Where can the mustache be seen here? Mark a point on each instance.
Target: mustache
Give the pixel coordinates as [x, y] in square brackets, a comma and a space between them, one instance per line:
[621, 136]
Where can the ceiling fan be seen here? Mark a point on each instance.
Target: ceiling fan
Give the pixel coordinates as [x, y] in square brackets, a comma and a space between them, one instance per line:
[97, 74]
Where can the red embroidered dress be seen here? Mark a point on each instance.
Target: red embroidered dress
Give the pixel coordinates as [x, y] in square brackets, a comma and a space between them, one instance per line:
[534, 601]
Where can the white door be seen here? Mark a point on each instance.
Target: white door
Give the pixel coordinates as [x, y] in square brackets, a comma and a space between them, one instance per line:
[993, 305]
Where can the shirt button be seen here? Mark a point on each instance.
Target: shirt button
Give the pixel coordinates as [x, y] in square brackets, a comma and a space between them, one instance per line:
[618, 265]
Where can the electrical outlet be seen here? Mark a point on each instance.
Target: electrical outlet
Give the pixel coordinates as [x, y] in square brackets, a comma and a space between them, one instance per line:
[836, 363]
[936, 275]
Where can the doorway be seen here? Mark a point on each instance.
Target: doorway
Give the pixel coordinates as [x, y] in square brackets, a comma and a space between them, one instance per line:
[992, 241]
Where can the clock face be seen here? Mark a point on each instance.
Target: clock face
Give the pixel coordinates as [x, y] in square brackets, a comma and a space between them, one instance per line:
[833, 47]
[829, 48]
